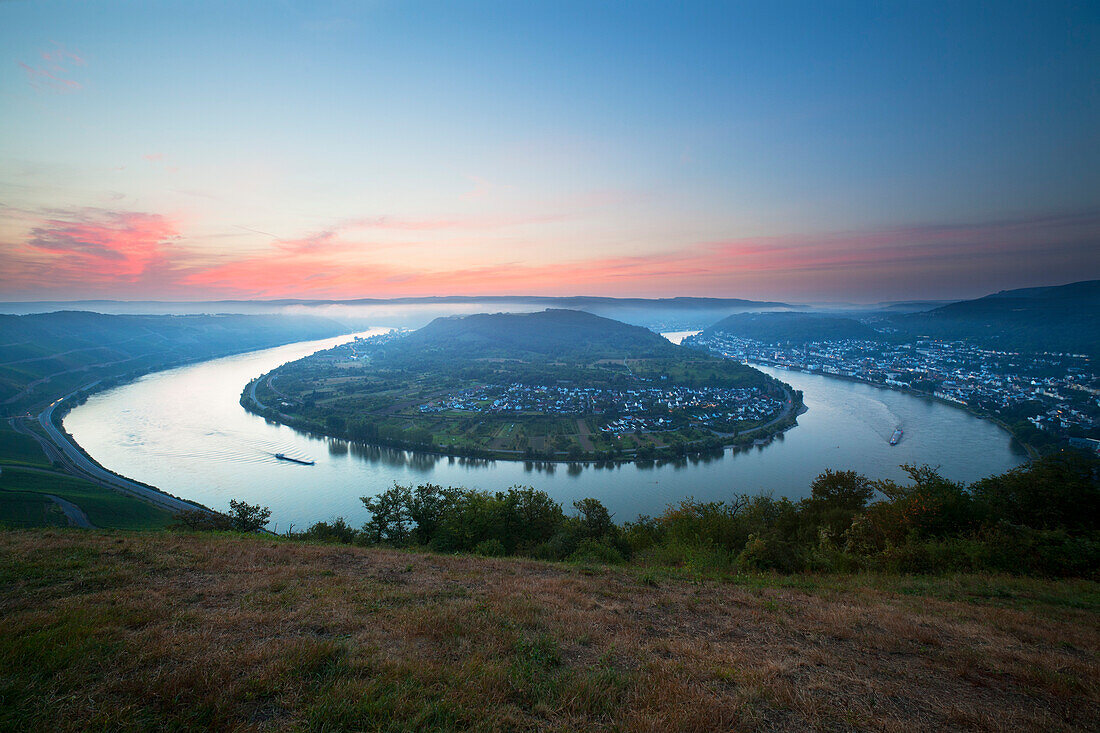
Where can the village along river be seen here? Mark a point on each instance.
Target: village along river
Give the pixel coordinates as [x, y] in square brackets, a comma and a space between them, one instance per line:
[184, 431]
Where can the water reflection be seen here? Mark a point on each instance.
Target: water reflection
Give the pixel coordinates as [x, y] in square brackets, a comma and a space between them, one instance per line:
[210, 449]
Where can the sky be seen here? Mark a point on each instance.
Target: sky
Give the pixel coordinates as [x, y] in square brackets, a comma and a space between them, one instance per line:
[798, 151]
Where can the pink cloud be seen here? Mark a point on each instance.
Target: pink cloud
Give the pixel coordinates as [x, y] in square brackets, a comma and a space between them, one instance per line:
[94, 246]
[53, 76]
[61, 55]
[324, 265]
[116, 251]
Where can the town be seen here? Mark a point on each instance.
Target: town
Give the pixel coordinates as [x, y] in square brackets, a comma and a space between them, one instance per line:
[1057, 393]
[642, 409]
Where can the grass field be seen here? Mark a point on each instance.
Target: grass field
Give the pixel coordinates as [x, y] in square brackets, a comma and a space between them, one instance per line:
[29, 509]
[21, 488]
[164, 631]
[19, 449]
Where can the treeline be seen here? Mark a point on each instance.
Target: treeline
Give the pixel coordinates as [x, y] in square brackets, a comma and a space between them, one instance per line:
[1040, 519]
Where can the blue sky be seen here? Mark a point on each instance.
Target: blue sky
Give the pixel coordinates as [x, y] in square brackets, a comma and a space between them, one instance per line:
[801, 151]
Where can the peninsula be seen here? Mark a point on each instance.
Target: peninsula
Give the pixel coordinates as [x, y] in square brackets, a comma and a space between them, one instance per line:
[555, 385]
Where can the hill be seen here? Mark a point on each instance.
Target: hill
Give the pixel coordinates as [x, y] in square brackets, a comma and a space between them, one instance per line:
[166, 631]
[553, 385]
[1057, 318]
[798, 328]
[593, 303]
[550, 334]
[46, 355]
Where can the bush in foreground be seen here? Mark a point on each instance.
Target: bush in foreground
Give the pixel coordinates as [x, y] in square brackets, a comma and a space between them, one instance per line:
[1039, 519]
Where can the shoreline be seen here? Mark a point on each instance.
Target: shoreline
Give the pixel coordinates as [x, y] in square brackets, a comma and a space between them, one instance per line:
[1032, 453]
[250, 403]
[62, 448]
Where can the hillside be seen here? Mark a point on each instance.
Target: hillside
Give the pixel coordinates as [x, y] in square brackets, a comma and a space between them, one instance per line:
[550, 334]
[798, 328]
[163, 631]
[1059, 318]
[46, 355]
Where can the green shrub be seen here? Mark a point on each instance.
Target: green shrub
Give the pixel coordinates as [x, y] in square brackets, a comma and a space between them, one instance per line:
[927, 524]
[590, 550]
[769, 553]
[336, 531]
[490, 548]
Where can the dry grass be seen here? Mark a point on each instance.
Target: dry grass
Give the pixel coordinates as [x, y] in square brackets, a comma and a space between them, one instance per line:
[120, 631]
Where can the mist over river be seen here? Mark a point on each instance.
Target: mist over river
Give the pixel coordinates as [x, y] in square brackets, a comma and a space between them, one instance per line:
[184, 431]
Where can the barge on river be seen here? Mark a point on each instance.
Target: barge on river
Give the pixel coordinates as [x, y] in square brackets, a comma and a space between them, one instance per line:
[285, 457]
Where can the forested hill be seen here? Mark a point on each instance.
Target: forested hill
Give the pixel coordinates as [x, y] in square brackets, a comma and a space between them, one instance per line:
[550, 334]
[1059, 318]
[796, 328]
[45, 355]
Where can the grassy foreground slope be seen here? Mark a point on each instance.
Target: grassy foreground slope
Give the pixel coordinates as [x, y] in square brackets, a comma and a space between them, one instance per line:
[168, 631]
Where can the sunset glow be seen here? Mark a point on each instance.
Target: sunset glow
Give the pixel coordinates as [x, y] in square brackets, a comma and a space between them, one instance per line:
[163, 152]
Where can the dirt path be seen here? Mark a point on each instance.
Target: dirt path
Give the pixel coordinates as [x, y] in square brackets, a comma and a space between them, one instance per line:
[583, 435]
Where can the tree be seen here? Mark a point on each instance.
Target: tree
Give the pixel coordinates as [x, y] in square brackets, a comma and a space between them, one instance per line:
[248, 517]
[594, 518]
[841, 490]
[1061, 491]
[429, 506]
[931, 505]
[389, 520]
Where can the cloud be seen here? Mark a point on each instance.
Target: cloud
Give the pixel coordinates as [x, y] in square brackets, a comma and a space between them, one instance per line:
[944, 260]
[97, 246]
[54, 74]
[122, 253]
[61, 55]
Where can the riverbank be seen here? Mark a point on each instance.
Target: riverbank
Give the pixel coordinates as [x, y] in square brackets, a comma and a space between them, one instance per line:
[78, 477]
[749, 437]
[1032, 452]
[35, 491]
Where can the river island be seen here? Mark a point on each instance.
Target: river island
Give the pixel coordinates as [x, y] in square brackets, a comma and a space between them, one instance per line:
[557, 385]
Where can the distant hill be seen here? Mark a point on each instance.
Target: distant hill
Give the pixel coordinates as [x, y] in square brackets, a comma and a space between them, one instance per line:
[45, 355]
[249, 306]
[550, 334]
[1057, 318]
[796, 328]
[658, 314]
[913, 306]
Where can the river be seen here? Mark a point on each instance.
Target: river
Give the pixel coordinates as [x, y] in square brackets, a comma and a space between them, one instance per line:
[183, 431]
